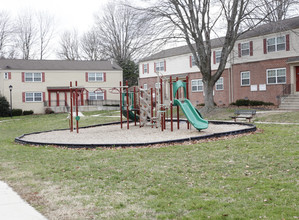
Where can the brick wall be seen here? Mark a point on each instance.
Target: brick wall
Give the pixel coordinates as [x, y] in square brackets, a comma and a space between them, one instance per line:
[258, 75]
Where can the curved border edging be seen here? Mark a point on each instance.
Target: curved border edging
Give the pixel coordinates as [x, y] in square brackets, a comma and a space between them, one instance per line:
[251, 128]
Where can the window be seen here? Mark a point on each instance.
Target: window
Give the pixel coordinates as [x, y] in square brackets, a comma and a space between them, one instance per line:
[159, 66]
[33, 97]
[197, 85]
[145, 70]
[192, 61]
[33, 77]
[157, 85]
[245, 49]
[219, 84]
[218, 56]
[276, 76]
[245, 78]
[6, 75]
[96, 95]
[95, 77]
[145, 86]
[276, 44]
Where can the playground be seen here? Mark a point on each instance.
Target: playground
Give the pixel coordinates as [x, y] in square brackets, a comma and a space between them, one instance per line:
[150, 119]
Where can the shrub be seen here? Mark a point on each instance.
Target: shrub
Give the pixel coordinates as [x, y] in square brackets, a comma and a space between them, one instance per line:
[49, 111]
[242, 102]
[4, 107]
[30, 112]
[247, 102]
[17, 112]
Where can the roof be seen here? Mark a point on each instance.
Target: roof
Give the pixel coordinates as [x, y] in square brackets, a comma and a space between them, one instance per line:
[269, 28]
[15, 64]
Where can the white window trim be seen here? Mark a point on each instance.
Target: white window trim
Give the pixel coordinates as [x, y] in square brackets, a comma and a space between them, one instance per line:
[218, 56]
[245, 78]
[101, 75]
[193, 60]
[160, 66]
[6, 75]
[197, 86]
[145, 70]
[248, 49]
[276, 76]
[97, 94]
[33, 78]
[145, 86]
[217, 83]
[275, 43]
[34, 98]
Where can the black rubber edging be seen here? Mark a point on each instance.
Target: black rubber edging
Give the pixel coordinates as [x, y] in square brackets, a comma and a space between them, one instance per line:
[251, 128]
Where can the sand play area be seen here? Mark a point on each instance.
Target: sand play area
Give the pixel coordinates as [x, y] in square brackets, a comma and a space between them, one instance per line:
[113, 135]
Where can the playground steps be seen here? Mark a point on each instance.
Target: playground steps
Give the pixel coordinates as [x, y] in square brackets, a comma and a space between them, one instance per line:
[290, 102]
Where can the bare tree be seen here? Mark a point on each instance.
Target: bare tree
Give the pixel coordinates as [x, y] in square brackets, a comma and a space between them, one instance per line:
[126, 33]
[26, 34]
[5, 32]
[196, 21]
[45, 32]
[69, 46]
[91, 46]
[277, 10]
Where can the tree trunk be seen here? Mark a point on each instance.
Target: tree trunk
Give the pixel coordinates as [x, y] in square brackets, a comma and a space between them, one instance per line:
[209, 97]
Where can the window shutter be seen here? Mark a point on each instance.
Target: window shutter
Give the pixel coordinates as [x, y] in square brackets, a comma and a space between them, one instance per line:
[287, 42]
[44, 96]
[251, 48]
[147, 68]
[86, 76]
[105, 95]
[265, 46]
[214, 57]
[155, 67]
[142, 68]
[164, 65]
[9, 75]
[190, 61]
[23, 96]
[43, 77]
[104, 77]
[23, 77]
[239, 50]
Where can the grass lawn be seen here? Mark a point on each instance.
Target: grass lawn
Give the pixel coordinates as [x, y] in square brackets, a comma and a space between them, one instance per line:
[246, 177]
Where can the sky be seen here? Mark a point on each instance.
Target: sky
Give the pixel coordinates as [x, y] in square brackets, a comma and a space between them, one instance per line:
[69, 14]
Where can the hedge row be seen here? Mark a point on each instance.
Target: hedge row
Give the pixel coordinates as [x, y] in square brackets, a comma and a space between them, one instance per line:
[247, 102]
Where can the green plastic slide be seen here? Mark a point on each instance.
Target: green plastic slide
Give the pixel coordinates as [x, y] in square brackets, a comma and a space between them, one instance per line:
[192, 114]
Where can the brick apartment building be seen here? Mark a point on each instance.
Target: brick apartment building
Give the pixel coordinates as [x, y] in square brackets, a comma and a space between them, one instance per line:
[264, 65]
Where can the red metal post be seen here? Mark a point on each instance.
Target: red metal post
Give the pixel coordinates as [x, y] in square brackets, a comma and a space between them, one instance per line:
[178, 109]
[140, 95]
[135, 107]
[152, 108]
[77, 121]
[71, 102]
[120, 105]
[127, 105]
[161, 109]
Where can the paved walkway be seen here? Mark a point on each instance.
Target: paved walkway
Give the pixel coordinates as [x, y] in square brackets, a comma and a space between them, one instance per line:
[13, 207]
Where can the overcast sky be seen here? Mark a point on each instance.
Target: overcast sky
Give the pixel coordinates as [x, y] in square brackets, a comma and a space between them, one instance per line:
[69, 14]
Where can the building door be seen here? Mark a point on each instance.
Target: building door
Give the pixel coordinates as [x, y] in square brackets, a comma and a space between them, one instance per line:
[297, 79]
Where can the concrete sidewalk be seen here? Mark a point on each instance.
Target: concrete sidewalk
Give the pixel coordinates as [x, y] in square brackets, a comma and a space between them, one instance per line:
[13, 207]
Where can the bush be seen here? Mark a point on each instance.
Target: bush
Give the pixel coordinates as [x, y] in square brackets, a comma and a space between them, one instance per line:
[4, 107]
[49, 111]
[30, 112]
[17, 112]
[242, 102]
[247, 102]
